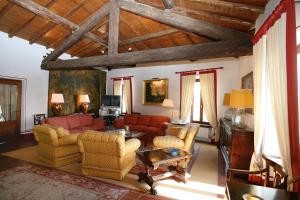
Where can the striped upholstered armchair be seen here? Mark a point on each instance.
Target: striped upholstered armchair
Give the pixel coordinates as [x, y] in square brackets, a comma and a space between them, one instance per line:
[106, 154]
[178, 137]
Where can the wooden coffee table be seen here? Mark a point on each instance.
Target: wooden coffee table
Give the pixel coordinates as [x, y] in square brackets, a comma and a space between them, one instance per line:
[152, 159]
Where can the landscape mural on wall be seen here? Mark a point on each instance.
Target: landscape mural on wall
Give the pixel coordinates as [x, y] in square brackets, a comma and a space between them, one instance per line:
[72, 83]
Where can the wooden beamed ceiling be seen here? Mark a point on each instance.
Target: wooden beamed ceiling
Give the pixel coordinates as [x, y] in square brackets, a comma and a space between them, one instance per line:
[68, 26]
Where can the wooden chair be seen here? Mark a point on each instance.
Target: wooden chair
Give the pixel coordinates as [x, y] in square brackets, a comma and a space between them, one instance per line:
[294, 180]
[279, 180]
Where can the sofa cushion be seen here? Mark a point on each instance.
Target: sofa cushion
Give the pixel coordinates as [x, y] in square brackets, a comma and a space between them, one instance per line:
[152, 130]
[86, 120]
[74, 121]
[168, 141]
[182, 133]
[137, 128]
[87, 128]
[58, 121]
[130, 119]
[157, 121]
[76, 130]
[144, 120]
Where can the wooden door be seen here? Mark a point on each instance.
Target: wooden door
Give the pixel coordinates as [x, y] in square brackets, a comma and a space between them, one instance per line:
[10, 108]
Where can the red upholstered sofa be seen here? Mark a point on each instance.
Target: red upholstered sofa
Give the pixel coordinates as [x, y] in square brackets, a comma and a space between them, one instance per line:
[151, 124]
[77, 123]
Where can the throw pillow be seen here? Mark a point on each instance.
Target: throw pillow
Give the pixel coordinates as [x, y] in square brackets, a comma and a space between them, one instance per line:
[60, 131]
[182, 133]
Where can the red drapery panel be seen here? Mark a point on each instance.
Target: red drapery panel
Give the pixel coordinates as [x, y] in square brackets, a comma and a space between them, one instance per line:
[288, 6]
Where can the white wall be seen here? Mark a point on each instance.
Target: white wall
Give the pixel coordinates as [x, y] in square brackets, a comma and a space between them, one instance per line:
[271, 5]
[245, 65]
[227, 79]
[20, 60]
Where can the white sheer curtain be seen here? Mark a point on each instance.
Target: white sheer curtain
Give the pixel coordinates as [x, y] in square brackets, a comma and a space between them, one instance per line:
[208, 98]
[276, 48]
[187, 94]
[118, 87]
[127, 95]
[260, 87]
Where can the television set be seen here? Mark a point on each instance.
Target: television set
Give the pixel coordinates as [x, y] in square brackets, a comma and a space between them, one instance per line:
[111, 100]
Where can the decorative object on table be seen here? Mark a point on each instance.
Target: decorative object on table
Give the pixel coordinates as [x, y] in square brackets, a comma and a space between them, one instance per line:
[84, 100]
[57, 100]
[241, 99]
[155, 91]
[229, 112]
[38, 118]
[168, 103]
[249, 196]
[126, 127]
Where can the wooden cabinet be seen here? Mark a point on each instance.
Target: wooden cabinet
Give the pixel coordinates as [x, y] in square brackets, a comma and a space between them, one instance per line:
[236, 146]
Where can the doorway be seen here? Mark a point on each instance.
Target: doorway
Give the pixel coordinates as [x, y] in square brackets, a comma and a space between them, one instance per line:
[10, 108]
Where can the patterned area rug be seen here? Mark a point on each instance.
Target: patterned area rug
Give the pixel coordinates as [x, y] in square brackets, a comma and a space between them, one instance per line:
[140, 167]
[35, 183]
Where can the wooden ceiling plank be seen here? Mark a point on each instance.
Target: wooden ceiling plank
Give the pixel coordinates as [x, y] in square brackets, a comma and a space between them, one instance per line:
[182, 22]
[169, 4]
[189, 52]
[26, 24]
[80, 50]
[83, 29]
[233, 5]
[114, 20]
[148, 36]
[50, 25]
[47, 14]
[5, 9]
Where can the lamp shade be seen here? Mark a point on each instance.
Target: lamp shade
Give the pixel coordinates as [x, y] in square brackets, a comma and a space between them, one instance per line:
[57, 98]
[84, 98]
[242, 98]
[168, 103]
[226, 100]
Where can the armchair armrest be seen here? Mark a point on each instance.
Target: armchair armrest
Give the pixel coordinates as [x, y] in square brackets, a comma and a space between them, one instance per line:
[132, 145]
[231, 172]
[69, 139]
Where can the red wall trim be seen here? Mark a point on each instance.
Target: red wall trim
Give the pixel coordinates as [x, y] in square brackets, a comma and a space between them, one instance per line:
[198, 70]
[121, 77]
[292, 89]
[131, 95]
[281, 8]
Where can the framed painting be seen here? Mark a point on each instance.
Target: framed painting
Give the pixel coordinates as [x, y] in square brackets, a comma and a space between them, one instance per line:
[247, 81]
[155, 91]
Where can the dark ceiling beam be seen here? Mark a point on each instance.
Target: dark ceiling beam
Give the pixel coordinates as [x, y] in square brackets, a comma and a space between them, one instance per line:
[148, 36]
[26, 24]
[76, 35]
[114, 20]
[50, 25]
[182, 22]
[168, 4]
[49, 15]
[233, 5]
[210, 14]
[190, 52]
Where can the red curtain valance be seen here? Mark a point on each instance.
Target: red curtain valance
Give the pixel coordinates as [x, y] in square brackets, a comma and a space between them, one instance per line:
[121, 78]
[281, 8]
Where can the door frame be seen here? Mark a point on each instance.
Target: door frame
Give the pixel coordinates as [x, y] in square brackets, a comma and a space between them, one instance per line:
[18, 114]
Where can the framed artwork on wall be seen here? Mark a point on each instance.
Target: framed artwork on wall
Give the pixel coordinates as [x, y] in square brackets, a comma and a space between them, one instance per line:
[155, 91]
[247, 81]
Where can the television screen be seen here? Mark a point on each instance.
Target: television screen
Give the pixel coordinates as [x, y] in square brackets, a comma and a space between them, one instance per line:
[111, 100]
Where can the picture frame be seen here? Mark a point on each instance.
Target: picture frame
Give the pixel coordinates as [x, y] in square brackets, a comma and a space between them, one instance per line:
[247, 81]
[155, 91]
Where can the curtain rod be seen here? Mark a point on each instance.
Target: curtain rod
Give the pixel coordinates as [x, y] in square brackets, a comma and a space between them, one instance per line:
[199, 70]
[121, 77]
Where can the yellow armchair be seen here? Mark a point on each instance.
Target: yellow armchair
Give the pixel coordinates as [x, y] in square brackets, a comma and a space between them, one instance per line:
[56, 146]
[178, 137]
[107, 154]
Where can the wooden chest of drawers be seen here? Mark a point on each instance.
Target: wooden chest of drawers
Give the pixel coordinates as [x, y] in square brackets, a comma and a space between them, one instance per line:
[236, 146]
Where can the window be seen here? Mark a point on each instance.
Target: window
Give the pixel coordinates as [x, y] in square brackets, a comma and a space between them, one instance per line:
[123, 87]
[198, 113]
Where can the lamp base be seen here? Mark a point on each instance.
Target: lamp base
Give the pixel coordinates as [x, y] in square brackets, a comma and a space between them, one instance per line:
[229, 113]
[84, 107]
[56, 109]
[238, 119]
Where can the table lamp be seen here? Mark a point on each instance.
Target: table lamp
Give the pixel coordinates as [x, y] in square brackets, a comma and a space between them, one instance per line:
[229, 112]
[168, 103]
[84, 100]
[57, 100]
[241, 99]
